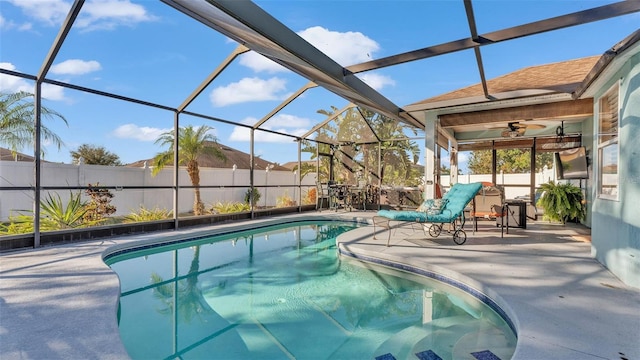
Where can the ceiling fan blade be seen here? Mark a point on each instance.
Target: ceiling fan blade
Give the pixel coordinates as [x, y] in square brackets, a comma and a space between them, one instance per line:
[534, 126]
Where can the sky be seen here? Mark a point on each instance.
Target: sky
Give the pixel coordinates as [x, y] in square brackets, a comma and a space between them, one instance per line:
[147, 50]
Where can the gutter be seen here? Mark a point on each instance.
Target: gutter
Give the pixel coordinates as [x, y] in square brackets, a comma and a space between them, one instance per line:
[605, 60]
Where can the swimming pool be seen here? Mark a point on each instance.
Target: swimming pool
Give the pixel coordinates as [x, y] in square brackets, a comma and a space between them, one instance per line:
[282, 292]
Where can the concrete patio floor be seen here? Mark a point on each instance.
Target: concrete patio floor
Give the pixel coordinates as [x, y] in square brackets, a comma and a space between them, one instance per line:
[60, 302]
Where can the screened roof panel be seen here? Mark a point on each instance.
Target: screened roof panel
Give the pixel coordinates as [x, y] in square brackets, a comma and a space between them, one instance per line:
[433, 57]
[249, 25]
[376, 27]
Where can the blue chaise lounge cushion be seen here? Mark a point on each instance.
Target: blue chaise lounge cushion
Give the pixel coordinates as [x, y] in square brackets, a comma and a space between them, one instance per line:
[456, 200]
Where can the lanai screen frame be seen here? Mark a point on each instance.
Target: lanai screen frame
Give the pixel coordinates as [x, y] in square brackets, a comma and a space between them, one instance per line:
[249, 18]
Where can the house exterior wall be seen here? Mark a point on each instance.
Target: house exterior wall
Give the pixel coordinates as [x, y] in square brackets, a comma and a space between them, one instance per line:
[615, 229]
[588, 141]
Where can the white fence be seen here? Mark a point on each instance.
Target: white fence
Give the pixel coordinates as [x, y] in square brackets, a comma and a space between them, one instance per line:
[21, 174]
[510, 192]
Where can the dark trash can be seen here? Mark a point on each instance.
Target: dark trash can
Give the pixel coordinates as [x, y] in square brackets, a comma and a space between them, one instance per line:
[517, 215]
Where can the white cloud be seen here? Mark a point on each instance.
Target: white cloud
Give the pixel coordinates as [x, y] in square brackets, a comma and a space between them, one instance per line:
[287, 120]
[133, 131]
[286, 124]
[376, 81]
[53, 92]
[346, 48]
[25, 27]
[13, 84]
[249, 89]
[97, 14]
[259, 63]
[108, 14]
[243, 134]
[9, 24]
[76, 67]
[51, 12]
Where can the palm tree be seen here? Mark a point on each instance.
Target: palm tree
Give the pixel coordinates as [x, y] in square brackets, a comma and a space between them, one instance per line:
[17, 128]
[193, 142]
[398, 154]
[190, 301]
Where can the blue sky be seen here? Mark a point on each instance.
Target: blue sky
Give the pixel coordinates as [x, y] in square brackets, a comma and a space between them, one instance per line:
[149, 51]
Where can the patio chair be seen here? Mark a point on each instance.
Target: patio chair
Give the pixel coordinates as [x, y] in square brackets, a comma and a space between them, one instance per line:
[452, 212]
[322, 195]
[489, 204]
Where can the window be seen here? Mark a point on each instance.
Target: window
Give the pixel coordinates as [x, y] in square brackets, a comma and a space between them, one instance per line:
[608, 144]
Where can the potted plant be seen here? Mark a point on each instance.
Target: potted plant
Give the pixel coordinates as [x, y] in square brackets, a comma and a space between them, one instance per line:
[562, 202]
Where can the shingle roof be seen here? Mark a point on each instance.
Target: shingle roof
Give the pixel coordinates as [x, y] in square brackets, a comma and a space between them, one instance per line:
[561, 77]
[6, 155]
[233, 156]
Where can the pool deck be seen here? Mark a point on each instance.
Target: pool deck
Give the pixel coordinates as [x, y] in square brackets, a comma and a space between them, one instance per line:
[60, 302]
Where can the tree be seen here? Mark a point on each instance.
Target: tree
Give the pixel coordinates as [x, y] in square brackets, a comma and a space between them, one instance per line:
[94, 155]
[190, 301]
[510, 161]
[398, 154]
[17, 124]
[193, 142]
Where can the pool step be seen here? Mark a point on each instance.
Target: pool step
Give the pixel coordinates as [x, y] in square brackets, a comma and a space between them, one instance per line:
[485, 355]
[427, 342]
[430, 355]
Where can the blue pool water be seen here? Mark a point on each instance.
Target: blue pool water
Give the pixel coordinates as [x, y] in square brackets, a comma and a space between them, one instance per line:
[282, 292]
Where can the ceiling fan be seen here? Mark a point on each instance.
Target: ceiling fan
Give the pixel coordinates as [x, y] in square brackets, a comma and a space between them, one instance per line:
[516, 129]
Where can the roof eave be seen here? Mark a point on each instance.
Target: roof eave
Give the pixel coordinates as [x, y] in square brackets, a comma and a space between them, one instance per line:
[609, 63]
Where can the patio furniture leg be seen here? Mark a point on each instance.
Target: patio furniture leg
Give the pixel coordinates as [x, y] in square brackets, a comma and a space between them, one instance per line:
[384, 223]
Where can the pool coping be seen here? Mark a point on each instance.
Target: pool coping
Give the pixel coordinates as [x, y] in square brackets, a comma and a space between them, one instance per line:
[60, 302]
[554, 314]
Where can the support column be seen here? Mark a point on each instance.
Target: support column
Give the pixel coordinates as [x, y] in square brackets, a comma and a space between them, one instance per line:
[252, 164]
[453, 161]
[430, 146]
[176, 169]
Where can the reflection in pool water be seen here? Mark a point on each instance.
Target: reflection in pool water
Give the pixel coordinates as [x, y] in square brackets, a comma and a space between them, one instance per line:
[283, 292]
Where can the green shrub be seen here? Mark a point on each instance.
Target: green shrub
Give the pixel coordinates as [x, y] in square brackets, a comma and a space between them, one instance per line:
[229, 207]
[252, 197]
[285, 200]
[144, 214]
[562, 202]
[54, 215]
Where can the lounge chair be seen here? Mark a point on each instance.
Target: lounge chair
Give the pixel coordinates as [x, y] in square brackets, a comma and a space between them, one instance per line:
[452, 212]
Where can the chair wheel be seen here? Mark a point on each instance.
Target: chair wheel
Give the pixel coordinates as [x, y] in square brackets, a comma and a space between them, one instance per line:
[459, 237]
[435, 230]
